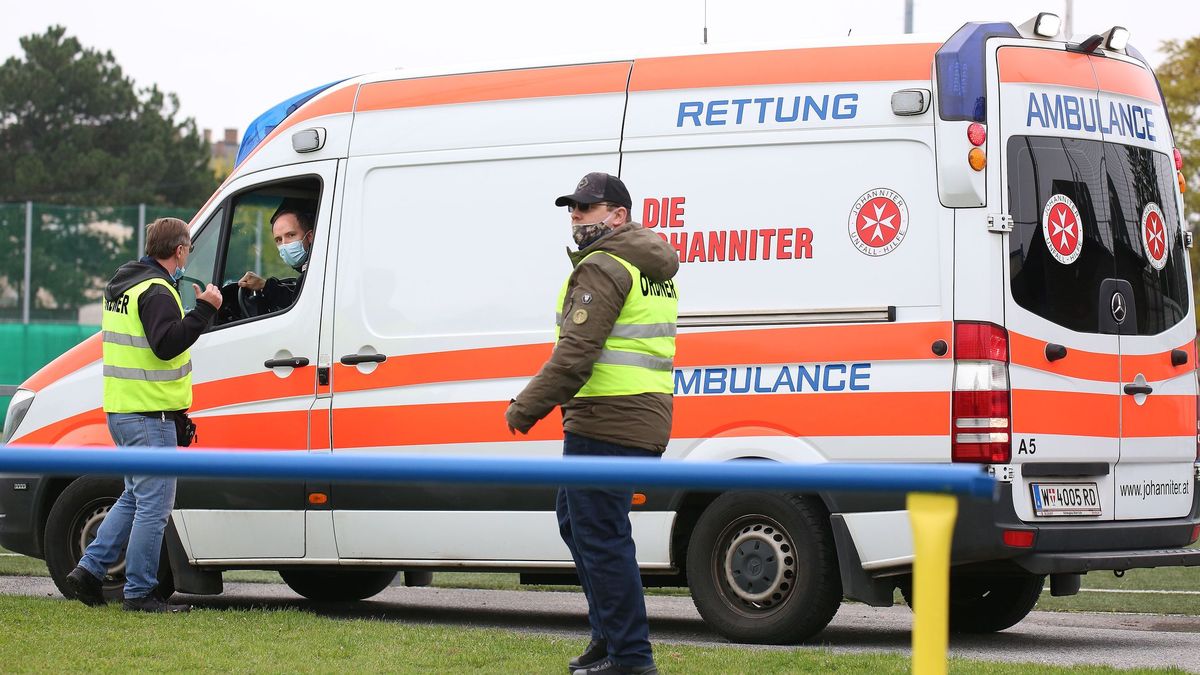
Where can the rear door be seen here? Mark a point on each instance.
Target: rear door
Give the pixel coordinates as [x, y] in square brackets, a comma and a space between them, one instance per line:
[1061, 272]
[1158, 409]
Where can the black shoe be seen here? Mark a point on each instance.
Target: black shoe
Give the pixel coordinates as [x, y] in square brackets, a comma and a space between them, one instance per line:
[150, 603]
[597, 651]
[85, 587]
[609, 667]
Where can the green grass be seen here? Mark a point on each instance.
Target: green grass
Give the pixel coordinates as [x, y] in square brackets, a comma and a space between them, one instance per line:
[108, 640]
[21, 566]
[1140, 603]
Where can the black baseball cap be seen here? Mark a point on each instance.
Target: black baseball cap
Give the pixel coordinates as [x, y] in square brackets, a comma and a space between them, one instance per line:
[598, 187]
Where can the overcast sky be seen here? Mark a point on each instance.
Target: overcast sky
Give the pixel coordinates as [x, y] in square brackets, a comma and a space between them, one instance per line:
[228, 61]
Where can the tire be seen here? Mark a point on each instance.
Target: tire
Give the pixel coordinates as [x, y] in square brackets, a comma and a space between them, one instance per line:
[326, 585]
[762, 568]
[988, 604]
[72, 525]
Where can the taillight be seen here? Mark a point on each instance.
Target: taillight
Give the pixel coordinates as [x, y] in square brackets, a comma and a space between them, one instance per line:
[976, 134]
[1179, 170]
[981, 425]
[976, 159]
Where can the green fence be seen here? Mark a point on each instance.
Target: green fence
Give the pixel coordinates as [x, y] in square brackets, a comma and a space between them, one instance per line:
[24, 348]
[67, 254]
[54, 263]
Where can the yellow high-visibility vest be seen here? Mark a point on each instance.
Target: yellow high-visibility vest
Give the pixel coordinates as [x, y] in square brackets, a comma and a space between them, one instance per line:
[638, 356]
[135, 380]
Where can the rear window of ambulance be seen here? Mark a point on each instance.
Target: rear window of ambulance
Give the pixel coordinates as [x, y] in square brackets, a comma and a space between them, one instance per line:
[1137, 177]
[1040, 168]
[1110, 185]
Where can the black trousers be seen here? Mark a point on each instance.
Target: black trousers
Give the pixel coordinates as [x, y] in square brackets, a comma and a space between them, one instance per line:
[595, 526]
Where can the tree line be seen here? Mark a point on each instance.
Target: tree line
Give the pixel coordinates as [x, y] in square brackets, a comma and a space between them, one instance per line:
[75, 129]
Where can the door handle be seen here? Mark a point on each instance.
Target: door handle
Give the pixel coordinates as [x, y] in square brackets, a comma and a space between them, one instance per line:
[1134, 389]
[355, 359]
[294, 362]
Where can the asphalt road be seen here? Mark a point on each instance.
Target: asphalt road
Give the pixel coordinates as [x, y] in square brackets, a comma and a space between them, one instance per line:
[1118, 640]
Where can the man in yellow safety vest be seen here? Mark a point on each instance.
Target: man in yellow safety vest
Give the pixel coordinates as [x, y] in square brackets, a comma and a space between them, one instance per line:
[612, 373]
[147, 383]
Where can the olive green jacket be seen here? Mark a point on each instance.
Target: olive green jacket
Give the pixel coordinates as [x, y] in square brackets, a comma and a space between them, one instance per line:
[600, 285]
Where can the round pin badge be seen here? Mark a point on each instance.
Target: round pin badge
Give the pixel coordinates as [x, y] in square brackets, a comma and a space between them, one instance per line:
[878, 222]
[1062, 228]
[579, 316]
[1154, 235]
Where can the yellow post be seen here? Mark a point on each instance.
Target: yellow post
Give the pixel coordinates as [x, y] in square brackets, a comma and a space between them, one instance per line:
[932, 518]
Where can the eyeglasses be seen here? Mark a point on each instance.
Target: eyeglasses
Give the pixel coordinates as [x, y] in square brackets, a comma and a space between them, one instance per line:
[584, 208]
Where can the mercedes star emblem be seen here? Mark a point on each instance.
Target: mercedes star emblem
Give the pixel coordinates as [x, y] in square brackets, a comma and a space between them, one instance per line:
[1118, 307]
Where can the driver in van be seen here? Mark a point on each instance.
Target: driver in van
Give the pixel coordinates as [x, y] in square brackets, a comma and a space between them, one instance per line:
[293, 228]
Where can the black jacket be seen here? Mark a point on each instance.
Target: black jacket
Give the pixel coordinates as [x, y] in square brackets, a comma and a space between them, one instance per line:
[169, 334]
[276, 295]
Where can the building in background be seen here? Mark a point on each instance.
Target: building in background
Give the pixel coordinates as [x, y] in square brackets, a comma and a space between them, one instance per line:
[223, 152]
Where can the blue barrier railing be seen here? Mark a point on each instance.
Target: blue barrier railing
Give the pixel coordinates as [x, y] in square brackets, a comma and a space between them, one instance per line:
[931, 488]
[966, 480]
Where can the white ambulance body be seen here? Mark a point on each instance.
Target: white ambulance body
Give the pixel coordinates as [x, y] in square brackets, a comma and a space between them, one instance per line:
[853, 289]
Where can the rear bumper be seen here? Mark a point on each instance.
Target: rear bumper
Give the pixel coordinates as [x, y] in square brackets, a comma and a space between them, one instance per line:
[1073, 547]
[978, 546]
[1060, 563]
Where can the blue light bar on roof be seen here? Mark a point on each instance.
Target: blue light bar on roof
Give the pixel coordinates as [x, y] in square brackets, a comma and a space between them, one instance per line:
[264, 124]
[962, 71]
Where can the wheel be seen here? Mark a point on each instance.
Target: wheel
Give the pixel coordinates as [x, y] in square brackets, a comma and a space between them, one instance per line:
[72, 525]
[762, 568]
[337, 585]
[988, 604]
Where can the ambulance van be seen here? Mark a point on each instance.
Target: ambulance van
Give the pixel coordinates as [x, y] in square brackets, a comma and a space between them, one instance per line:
[967, 251]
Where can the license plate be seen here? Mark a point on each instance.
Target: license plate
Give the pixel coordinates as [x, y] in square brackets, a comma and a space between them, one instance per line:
[1065, 499]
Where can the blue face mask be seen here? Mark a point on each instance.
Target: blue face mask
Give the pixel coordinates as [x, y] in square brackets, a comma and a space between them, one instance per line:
[177, 274]
[293, 253]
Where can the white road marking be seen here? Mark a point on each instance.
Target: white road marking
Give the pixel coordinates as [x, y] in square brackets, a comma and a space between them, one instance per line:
[1118, 590]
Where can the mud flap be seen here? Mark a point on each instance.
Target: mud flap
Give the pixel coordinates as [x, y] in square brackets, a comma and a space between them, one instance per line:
[189, 578]
[857, 583]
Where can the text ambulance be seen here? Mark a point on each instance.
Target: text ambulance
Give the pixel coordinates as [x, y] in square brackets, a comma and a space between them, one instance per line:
[967, 251]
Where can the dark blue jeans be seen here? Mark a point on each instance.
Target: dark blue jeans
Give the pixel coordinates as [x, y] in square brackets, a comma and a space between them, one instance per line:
[595, 526]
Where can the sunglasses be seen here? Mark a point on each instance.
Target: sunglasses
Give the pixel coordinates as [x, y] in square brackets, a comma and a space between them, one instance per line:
[584, 208]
